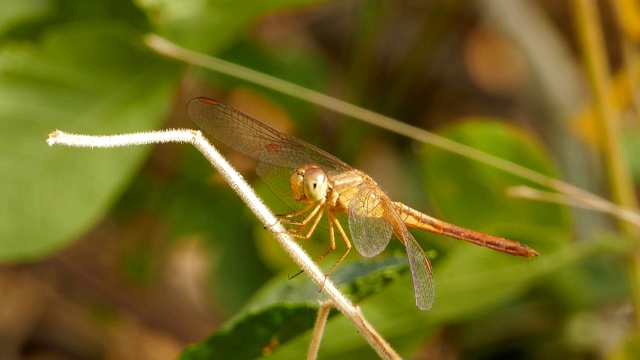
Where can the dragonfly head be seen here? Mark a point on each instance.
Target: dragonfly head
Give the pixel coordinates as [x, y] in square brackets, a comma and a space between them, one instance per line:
[309, 183]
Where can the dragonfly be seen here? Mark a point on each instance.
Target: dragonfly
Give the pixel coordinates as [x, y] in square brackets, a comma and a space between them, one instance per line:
[324, 185]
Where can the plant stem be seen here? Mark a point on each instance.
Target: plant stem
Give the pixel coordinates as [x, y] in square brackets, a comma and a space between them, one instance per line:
[621, 188]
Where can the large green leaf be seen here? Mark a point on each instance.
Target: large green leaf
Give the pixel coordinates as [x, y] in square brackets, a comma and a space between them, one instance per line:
[474, 195]
[254, 334]
[85, 78]
[286, 309]
[92, 76]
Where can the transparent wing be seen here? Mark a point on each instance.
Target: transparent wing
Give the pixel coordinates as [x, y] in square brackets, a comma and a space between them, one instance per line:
[372, 221]
[277, 179]
[249, 136]
[420, 272]
[369, 220]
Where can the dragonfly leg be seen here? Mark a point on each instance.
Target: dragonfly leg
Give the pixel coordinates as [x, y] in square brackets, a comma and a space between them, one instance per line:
[318, 215]
[334, 221]
[301, 224]
[332, 238]
[295, 214]
[332, 245]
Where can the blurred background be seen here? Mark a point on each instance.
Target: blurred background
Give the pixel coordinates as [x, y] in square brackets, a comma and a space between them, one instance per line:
[135, 253]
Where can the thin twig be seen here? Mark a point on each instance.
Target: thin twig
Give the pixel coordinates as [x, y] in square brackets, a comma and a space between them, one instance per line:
[246, 193]
[318, 329]
[626, 214]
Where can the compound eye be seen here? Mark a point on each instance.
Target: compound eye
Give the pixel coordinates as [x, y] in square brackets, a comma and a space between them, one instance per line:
[316, 184]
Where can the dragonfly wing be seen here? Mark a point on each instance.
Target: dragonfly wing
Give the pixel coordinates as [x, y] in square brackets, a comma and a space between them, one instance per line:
[369, 221]
[249, 136]
[277, 179]
[420, 272]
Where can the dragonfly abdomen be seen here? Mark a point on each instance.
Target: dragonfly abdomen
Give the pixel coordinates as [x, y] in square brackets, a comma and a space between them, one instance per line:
[416, 220]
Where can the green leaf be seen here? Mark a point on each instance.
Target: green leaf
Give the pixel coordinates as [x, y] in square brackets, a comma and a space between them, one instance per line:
[473, 195]
[363, 279]
[285, 309]
[32, 19]
[92, 78]
[474, 282]
[17, 12]
[254, 334]
[358, 280]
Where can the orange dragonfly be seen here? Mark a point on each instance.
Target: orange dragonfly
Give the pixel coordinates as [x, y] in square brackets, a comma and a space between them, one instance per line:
[325, 184]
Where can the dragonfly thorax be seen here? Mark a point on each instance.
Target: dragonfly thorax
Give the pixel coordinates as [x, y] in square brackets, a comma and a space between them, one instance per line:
[309, 183]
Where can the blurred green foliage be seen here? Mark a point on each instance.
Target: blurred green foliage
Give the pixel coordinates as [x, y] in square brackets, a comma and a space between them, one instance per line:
[81, 66]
